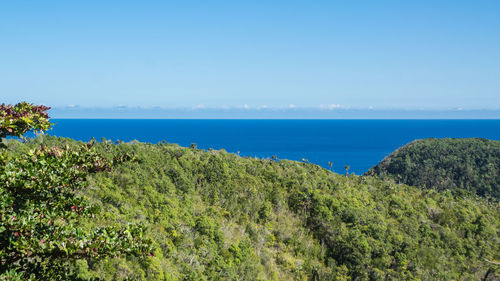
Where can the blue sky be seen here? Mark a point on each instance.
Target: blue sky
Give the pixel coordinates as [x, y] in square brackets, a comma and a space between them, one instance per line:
[352, 54]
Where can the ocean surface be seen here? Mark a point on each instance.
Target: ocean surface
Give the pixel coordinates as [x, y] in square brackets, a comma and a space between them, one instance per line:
[360, 144]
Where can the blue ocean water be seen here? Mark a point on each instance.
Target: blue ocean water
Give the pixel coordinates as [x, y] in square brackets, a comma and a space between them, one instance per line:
[360, 144]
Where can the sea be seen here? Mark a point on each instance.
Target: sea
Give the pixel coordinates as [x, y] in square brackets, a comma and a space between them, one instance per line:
[360, 144]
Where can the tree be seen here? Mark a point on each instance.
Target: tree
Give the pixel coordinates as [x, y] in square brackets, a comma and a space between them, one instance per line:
[21, 118]
[42, 219]
[347, 170]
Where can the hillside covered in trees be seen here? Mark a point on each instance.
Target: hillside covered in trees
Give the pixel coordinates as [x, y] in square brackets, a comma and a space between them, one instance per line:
[469, 164]
[213, 215]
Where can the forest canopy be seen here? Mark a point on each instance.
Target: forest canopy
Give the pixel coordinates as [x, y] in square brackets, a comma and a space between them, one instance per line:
[136, 211]
[215, 215]
[464, 164]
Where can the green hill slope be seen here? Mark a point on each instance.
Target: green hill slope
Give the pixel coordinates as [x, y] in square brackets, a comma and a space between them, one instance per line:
[470, 164]
[217, 216]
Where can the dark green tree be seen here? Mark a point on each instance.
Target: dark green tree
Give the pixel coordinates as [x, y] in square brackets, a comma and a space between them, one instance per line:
[471, 165]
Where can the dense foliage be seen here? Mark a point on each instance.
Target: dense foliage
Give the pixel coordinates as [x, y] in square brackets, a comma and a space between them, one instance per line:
[468, 164]
[41, 214]
[16, 120]
[218, 216]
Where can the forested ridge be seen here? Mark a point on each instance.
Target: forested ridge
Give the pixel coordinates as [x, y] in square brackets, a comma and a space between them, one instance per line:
[463, 164]
[135, 211]
[214, 215]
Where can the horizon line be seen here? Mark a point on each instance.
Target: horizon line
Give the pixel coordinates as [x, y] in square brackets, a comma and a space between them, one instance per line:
[266, 118]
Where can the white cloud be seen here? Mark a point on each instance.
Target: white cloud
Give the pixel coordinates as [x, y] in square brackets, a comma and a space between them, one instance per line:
[331, 106]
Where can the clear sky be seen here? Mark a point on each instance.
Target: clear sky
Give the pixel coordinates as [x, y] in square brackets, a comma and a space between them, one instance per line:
[358, 54]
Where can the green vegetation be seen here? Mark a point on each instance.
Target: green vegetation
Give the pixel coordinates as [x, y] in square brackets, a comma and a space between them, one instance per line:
[214, 215]
[21, 118]
[467, 164]
[41, 215]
